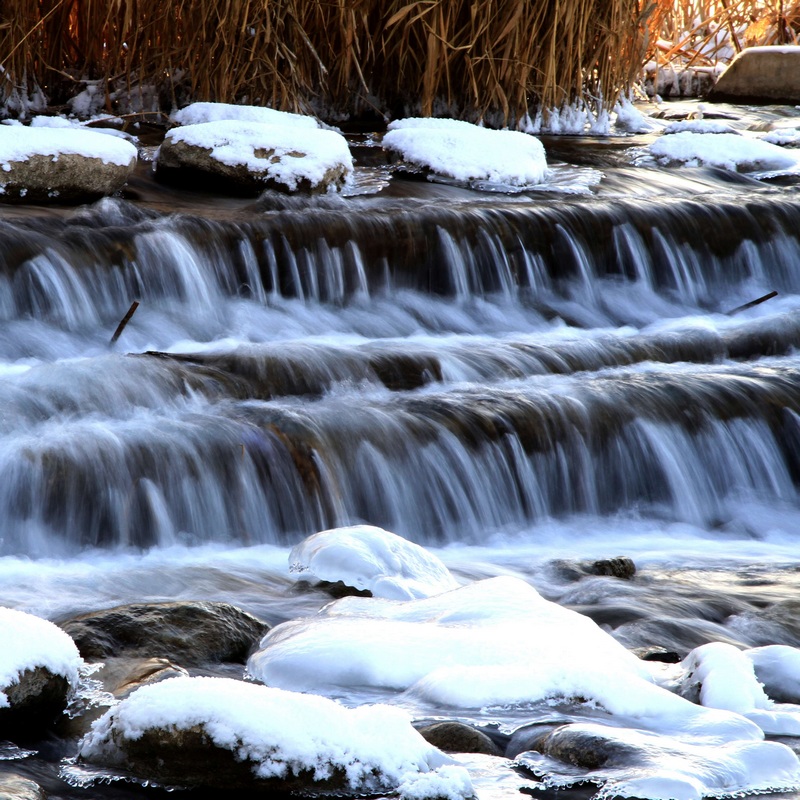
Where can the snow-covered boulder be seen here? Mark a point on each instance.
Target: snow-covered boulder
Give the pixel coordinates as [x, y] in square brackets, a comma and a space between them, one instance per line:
[198, 113]
[371, 559]
[227, 734]
[61, 165]
[38, 668]
[251, 156]
[726, 150]
[777, 668]
[761, 74]
[468, 153]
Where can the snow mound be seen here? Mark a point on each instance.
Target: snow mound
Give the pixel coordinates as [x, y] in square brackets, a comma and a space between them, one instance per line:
[468, 153]
[281, 734]
[700, 126]
[198, 113]
[633, 763]
[287, 155]
[726, 150]
[30, 642]
[630, 120]
[496, 642]
[777, 668]
[371, 558]
[19, 143]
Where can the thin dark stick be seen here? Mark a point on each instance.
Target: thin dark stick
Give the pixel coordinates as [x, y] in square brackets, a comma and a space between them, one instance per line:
[758, 301]
[125, 320]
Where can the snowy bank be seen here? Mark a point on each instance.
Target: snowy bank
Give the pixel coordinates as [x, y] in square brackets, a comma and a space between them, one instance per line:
[62, 164]
[183, 730]
[468, 153]
[372, 559]
[254, 156]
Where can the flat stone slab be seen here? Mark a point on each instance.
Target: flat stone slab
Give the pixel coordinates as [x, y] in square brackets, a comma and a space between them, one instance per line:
[761, 75]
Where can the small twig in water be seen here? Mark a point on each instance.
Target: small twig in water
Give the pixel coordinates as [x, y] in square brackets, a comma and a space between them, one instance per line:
[125, 320]
[752, 303]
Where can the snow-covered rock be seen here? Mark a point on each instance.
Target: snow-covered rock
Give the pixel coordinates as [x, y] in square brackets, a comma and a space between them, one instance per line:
[468, 153]
[228, 734]
[727, 150]
[777, 668]
[372, 559]
[198, 113]
[62, 165]
[253, 156]
[39, 666]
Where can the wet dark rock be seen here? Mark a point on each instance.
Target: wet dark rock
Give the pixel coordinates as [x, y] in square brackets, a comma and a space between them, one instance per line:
[18, 787]
[456, 737]
[619, 567]
[36, 700]
[660, 654]
[185, 633]
[190, 758]
[581, 748]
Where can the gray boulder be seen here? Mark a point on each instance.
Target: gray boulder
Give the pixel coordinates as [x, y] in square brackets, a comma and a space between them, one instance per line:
[761, 75]
[36, 699]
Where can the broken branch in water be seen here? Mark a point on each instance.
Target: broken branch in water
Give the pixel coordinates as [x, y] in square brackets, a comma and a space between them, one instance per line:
[752, 303]
[125, 320]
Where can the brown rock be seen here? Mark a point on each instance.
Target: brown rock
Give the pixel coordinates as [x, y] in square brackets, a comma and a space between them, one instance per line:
[185, 633]
[456, 737]
[35, 701]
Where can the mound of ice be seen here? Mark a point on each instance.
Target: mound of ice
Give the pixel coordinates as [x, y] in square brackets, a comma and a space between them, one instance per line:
[699, 126]
[726, 150]
[494, 642]
[197, 113]
[31, 642]
[634, 763]
[371, 558]
[777, 668]
[468, 153]
[278, 735]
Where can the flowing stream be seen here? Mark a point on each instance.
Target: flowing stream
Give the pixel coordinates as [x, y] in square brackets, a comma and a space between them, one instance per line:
[517, 382]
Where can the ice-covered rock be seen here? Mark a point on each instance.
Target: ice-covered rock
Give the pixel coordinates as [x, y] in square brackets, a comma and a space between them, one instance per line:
[727, 150]
[198, 113]
[61, 165]
[468, 153]
[39, 666]
[222, 733]
[777, 668]
[371, 559]
[253, 156]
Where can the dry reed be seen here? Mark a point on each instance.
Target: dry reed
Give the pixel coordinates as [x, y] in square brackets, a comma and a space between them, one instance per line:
[494, 59]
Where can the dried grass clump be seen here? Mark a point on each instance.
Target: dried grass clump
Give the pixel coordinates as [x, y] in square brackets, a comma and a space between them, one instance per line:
[494, 59]
[706, 32]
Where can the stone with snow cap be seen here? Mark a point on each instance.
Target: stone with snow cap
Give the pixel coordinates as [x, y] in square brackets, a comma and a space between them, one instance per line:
[761, 74]
[61, 165]
[229, 734]
[468, 153]
[198, 113]
[248, 157]
[39, 666]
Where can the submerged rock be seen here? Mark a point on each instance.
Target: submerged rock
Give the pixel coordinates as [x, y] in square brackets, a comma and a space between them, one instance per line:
[619, 567]
[456, 737]
[186, 633]
[42, 165]
[761, 74]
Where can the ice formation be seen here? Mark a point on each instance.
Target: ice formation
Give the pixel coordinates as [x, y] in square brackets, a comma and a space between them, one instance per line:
[371, 558]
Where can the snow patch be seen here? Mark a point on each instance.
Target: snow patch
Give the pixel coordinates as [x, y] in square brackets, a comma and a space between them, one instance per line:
[198, 113]
[18, 143]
